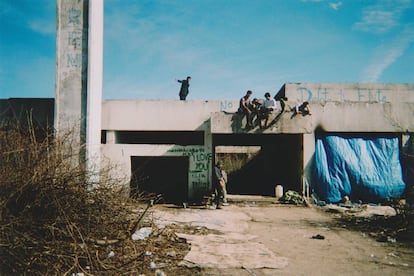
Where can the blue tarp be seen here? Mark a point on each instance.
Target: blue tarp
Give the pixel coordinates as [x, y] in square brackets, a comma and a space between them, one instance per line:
[366, 169]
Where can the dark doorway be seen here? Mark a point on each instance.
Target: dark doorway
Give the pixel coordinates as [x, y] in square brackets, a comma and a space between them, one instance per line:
[278, 162]
[165, 175]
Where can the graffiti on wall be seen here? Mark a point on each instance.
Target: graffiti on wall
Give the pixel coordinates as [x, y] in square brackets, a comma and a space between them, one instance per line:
[73, 33]
[325, 94]
[199, 166]
[226, 105]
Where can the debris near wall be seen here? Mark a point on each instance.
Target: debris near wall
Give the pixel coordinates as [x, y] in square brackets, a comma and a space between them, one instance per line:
[50, 224]
[392, 221]
[292, 197]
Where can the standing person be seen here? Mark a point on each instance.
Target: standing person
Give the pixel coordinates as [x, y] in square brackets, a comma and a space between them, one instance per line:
[184, 88]
[245, 108]
[219, 183]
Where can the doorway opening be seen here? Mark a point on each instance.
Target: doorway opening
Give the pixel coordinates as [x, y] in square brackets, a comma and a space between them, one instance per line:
[277, 160]
[160, 175]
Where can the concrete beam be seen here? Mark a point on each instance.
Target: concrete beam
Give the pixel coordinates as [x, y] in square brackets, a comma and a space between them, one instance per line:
[160, 115]
[233, 123]
[348, 92]
[331, 117]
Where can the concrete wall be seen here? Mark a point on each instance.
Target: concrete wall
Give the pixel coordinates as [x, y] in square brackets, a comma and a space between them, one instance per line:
[335, 108]
[130, 115]
[160, 115]
[352, 108]
[349, 92]
[332, 117]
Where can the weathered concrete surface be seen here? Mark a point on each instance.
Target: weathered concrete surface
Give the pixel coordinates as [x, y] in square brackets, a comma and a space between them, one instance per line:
[71, 68]
[227, 123]
[348, 92]
[160, 115]
[330, 116]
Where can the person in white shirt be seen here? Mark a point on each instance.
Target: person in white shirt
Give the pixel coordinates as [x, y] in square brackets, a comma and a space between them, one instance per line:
[268, 106]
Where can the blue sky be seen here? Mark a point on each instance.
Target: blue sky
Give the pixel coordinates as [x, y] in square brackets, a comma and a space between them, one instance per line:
[226, 46]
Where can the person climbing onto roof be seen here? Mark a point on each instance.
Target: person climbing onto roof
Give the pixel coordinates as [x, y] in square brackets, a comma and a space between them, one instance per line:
[301, 109]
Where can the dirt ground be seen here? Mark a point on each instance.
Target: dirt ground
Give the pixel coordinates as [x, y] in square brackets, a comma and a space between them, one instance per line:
[263, 238]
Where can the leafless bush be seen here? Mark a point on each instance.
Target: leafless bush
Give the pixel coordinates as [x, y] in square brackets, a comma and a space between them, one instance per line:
[50, 223]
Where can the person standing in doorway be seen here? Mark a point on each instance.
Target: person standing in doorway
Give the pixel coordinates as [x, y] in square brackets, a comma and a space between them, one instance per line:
[185, 84]
[219, 183]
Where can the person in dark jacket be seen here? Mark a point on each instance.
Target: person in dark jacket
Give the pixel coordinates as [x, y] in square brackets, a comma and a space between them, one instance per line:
[245, 109]
[184, 88]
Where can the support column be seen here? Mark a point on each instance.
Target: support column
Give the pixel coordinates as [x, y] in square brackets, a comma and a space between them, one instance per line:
[94, 90]
[71, 70]
[79, 54]
[308, 159]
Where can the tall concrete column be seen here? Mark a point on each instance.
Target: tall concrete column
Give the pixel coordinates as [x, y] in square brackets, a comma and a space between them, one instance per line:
[94, 88]
[308, 159]
[79, 57]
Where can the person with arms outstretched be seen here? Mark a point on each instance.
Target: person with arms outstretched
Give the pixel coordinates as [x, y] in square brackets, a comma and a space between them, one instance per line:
[185, 84]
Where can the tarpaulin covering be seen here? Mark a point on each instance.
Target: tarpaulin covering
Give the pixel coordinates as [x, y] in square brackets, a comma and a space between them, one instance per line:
[366, 169]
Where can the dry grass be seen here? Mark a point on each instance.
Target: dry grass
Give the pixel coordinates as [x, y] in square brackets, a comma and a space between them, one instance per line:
[50, 223]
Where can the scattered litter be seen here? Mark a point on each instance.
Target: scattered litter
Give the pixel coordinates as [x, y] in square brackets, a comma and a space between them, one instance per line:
[172, 254]
[292, 197]
[111, 254]
[152, 265]
[318, 237]
[142, 233]
[147, 253]
[386, 239]
[392, 240]
[159, 273]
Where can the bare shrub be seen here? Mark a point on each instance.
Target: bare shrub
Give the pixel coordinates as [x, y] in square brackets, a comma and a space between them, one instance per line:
[50, 223]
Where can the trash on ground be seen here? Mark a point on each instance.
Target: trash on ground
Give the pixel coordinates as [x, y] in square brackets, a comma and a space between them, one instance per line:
[142, 234]
[318, 237]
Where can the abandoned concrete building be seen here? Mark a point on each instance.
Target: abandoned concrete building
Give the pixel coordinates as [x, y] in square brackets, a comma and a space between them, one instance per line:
[169, 147]
[353, 137]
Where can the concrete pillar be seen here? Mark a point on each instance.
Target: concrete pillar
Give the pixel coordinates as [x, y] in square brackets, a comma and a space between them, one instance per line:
[308, 159]
[94, 89]
[208, 145]
[71, 69]
[110, 137]
[79, 44]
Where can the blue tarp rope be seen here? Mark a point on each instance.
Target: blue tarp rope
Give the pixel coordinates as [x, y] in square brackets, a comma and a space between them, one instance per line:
[366, 169]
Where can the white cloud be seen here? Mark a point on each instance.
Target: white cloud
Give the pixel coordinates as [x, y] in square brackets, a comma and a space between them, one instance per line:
[335, 6]
[43, 26]
[381, 17]
[385, 56]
